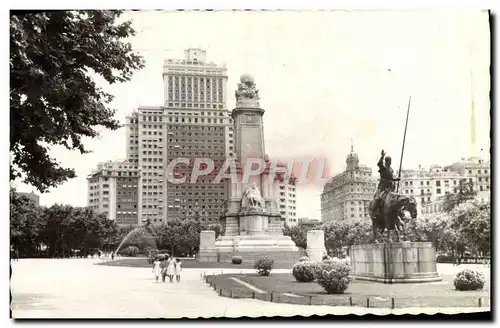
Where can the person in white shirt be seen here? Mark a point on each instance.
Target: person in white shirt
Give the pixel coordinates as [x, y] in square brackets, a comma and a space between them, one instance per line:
[157, 269]
[171, 268]
[178, 269]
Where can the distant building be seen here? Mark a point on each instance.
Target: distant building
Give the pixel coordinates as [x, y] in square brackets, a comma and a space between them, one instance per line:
[192, 123]
[478, 171]
[113, 190]
[308, 222]
[287, 200]
[429, 187]
[348, 194]
[32, 196]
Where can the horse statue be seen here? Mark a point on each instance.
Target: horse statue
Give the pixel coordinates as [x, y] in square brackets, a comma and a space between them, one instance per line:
[391, 215]
[252, 199]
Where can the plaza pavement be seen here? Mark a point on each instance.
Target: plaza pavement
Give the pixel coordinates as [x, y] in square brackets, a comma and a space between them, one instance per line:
[76, 288]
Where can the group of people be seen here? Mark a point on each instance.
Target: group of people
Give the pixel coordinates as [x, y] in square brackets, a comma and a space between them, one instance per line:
[169, 267]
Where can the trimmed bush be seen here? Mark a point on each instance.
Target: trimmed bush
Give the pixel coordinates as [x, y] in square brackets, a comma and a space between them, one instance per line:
[304, 258]
[264, 266]
[130, 251]
[237, 260]
[333, 276]
[469, 279]
[304, 271]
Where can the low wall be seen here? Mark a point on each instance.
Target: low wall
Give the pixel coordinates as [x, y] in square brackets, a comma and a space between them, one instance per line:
[404, 262]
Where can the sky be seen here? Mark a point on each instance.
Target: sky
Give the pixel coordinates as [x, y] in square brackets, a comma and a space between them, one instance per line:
[324, 78]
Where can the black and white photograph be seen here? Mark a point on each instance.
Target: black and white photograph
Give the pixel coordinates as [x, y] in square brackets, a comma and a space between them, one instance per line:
[229, 163]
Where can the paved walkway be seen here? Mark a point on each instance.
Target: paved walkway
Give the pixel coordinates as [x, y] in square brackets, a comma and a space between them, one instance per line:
[75, 288]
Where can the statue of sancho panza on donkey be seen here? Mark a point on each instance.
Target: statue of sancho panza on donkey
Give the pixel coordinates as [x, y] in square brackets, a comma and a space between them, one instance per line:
[387, 207]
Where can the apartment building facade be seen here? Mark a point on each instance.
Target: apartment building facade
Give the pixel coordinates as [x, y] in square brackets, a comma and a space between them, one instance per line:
[113, 190]
[287, 200]
[347, 195]
[430, 186]
[192, 123]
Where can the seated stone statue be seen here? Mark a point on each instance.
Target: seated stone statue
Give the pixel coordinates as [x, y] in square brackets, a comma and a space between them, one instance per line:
[252, 198]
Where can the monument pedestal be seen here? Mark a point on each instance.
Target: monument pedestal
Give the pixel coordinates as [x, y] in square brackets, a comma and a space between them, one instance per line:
[259, 236]
[254, 247]
[316, 245]
[208, 252]
[403, 262]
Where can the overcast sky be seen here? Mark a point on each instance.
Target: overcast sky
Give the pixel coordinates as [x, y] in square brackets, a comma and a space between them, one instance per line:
[324, 77]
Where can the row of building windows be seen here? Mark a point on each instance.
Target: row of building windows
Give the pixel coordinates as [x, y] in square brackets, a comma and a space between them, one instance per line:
[151, 193]
[195, 153]
[152, 152]
[194, 105]
[152, 167]
[182, 79]
[188, 113]
[193, 97]
[152, 159]
[195, 128]
[152, 186]
[201, 193]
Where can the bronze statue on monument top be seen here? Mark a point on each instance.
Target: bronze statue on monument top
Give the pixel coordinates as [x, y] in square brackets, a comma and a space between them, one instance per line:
[246, 88]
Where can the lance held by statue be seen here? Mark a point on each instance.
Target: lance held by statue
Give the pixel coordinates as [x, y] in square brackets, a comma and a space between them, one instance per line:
[387, 207]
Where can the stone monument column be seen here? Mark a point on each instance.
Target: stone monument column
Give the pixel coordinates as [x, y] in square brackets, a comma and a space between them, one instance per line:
[252, 219]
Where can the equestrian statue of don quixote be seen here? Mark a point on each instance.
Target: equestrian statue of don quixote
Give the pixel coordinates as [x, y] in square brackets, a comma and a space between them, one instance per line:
[387, 209]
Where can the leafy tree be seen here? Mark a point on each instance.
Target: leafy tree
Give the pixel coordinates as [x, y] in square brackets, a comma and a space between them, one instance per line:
[54, 99]
[344, 233]
[67, 228]
[181, 236]
[436, 229]
[297, 233]
[219, 229]
[471, 221]
[25, 224]
[465, 227]
[56, 223]
[62, 229]
[462, 193]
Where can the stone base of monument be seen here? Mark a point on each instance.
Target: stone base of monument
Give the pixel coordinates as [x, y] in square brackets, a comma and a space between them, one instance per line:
[403, 262]
[208, 252]
[316, 245]
[254, 247]
[207, 255]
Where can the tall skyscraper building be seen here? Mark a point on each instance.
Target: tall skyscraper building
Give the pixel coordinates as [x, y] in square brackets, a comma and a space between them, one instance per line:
[287, 200]
[112, 190]
[192, 123]
[348, 194]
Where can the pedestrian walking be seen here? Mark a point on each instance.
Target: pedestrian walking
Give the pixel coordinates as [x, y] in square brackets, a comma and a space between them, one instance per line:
[171, 269]
[178, 269]
[163, 266]
[157, 269]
